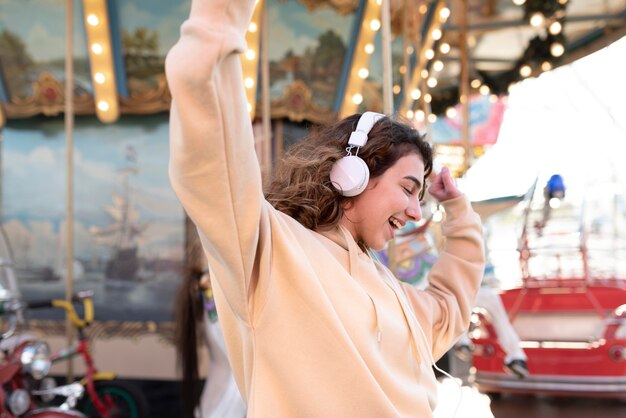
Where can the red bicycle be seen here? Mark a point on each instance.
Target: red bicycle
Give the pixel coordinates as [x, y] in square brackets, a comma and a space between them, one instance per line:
[106, 397]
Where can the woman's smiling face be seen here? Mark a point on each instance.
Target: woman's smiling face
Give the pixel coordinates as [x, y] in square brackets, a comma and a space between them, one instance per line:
[388, 202]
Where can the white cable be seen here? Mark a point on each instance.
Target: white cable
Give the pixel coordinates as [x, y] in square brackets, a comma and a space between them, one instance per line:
[411, 314]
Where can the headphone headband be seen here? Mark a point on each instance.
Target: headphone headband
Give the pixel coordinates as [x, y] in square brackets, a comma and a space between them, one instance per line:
[358, 138]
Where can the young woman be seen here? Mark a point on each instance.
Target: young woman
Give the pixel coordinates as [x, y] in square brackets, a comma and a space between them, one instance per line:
[312, 324]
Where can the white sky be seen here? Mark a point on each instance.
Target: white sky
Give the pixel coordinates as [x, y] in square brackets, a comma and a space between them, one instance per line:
[570, 121]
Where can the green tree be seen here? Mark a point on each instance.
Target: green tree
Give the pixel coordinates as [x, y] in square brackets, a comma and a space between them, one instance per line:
[15, 62]
[330, 47]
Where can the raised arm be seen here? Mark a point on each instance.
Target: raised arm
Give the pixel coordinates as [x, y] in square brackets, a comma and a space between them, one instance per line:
[213, 167]
[453, 280]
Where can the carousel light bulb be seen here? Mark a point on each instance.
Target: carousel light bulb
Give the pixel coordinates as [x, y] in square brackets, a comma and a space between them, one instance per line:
[444, 48]
[555, 27]
[357, 99]
[93, 20]
[423, 9]
[437, 34]
[429, 54]
[484, 90]
[249, 107]
[451, 112]
[525, 70]
[252, 27]
[409, 50]
[557, 49]
[96, 49]
[438, 65]
[475, 83]
[432, 118]
[364, 73]
[369, 49]
[99, 78]
[546, 66]
[444, 14]
[248, 82]
[420, 115]
[511, 87]
[103, 105]
[250, 54]
[537, 19]
[519, 2]
[396, 89]
[374, 24]
[428, 98]
[437, 215]
[432, 82]
[402, 69]
[416, 94]
[409, 114]
[424, 73]
[493, 98]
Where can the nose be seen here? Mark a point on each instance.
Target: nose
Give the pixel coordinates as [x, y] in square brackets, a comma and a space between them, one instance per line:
[414, 210]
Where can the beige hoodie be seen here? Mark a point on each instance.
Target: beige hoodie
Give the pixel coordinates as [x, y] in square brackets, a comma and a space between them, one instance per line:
[313, 326]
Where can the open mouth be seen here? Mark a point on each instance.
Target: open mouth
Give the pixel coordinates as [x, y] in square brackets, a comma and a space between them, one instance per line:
[395, 224]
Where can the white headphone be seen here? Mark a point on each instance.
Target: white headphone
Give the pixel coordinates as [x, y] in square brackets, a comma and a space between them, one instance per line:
[350, 174]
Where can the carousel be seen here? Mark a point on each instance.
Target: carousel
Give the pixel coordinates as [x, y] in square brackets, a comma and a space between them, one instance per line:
[85, 202]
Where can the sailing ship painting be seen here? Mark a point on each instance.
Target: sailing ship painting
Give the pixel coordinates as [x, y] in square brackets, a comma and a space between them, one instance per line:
[128, 227]
[123, 233]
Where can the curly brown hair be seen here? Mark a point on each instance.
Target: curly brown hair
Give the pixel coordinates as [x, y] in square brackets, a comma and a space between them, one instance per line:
[301, 187]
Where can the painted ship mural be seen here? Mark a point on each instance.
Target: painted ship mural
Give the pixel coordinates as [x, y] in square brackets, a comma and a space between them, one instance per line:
[123, 233]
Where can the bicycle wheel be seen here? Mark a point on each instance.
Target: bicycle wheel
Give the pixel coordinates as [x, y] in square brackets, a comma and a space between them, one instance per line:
[122, 399]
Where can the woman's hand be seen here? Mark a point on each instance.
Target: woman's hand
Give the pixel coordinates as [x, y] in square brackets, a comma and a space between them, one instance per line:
[443, 187]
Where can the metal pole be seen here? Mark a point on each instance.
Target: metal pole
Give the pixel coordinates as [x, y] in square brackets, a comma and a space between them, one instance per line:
[464, 85]
[1, 191]
[69, 143]
[265, 94]
[386, 53]
[385, 16]
[405, 56]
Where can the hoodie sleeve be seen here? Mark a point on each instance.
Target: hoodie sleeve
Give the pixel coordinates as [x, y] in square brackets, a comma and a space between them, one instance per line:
[213, 167]
[444, 307]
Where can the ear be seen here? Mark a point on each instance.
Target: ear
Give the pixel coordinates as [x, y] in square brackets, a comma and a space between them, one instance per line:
[205, 281]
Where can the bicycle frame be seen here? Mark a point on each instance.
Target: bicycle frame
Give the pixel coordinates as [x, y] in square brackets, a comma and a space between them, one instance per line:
[82, 349]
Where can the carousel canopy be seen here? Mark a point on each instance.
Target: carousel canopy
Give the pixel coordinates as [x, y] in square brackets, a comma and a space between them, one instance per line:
[324, 58]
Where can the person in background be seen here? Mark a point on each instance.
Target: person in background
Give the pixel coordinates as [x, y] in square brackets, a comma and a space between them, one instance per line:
[515, 360]
[554, 189]
[312, 324]
[196, 315]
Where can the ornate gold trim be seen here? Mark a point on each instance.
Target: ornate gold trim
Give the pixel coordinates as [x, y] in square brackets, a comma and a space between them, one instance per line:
[343, 7]
[297, 105]
[106, 330]
[151, 101]
[48, 98]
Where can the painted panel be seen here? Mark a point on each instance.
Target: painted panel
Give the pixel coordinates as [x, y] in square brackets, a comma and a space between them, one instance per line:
[128, 228]
[486, 116]
[32, 41]
[307, 49]
[149, 28]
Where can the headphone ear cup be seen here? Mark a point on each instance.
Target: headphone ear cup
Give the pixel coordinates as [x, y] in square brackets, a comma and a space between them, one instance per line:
[350, 175]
